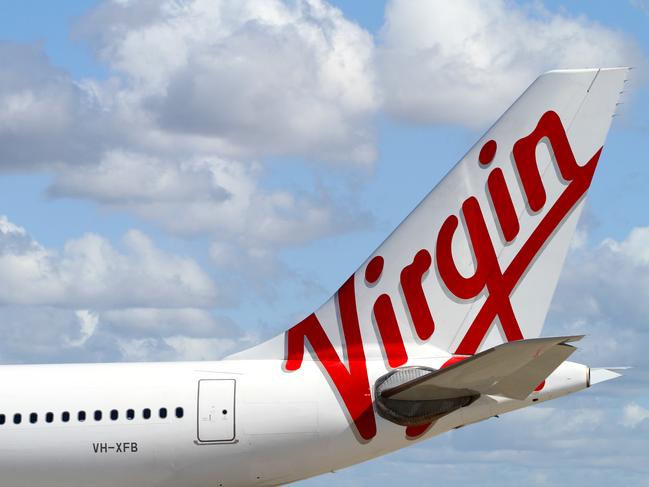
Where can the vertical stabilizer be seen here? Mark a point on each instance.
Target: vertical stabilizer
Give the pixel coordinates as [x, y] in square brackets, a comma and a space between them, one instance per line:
[477, 261]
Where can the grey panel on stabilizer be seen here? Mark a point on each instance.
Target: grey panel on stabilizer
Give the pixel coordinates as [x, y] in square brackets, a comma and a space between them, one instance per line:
[512, 369]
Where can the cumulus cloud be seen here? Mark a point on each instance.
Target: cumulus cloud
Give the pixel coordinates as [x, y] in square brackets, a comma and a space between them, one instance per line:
[602, 294]
[150, 334]
[125, 178]
[161, 322]
[178, 347]
[91, 272]
[94, 301]
[254, 77]
[198, 92]
[235, 79]
[464, 61]
[49, 334]
[46, 118]
[208, 196]
[634, 249]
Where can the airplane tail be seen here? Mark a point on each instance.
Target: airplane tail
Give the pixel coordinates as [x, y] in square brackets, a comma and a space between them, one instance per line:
[477, 261]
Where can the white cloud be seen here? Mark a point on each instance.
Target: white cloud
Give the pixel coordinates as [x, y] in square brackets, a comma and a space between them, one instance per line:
[245, 77]
[124, 178]
[188, 348]
[465, 61]
[634, 414]
[603, 294]
[174, 348]
[91, 273]
[43, 334]
[208, 196]
[46, 334]
[158, 322]
[46, 118]
[173, 136]
[88, 324]
[607, 283]
[635, 248]
[197, 92]
[94, 301]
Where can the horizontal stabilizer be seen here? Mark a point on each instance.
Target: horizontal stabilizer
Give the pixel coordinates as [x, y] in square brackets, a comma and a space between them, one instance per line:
[513, 369]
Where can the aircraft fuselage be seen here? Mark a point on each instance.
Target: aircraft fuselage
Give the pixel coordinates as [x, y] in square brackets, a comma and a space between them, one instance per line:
[241, 423]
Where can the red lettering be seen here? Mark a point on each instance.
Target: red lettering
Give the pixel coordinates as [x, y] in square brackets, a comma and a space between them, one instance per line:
[524, 151]
[580, 178]
[487, 152]
[351, 384]
[351, 380]
[411, 284]
[385, 319]
[388, 326]
[487, 270]
[374, 269]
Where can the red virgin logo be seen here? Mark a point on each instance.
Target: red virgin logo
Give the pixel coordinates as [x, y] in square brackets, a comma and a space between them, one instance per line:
[351, 380]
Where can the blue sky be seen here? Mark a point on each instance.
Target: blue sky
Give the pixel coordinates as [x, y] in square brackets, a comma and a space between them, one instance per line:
[141, 223]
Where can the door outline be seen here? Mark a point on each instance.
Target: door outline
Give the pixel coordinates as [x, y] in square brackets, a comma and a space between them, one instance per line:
[234, 415]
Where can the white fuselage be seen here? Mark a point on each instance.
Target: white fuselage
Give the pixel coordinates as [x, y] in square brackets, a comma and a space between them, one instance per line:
[259, 425]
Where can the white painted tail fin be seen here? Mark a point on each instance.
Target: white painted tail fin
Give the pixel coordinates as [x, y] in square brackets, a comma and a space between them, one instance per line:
[476, 263]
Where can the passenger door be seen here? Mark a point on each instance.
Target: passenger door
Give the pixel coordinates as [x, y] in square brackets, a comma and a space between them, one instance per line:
[216, 410]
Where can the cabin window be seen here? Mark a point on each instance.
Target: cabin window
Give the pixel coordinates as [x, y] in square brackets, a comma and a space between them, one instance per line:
[98, 415]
